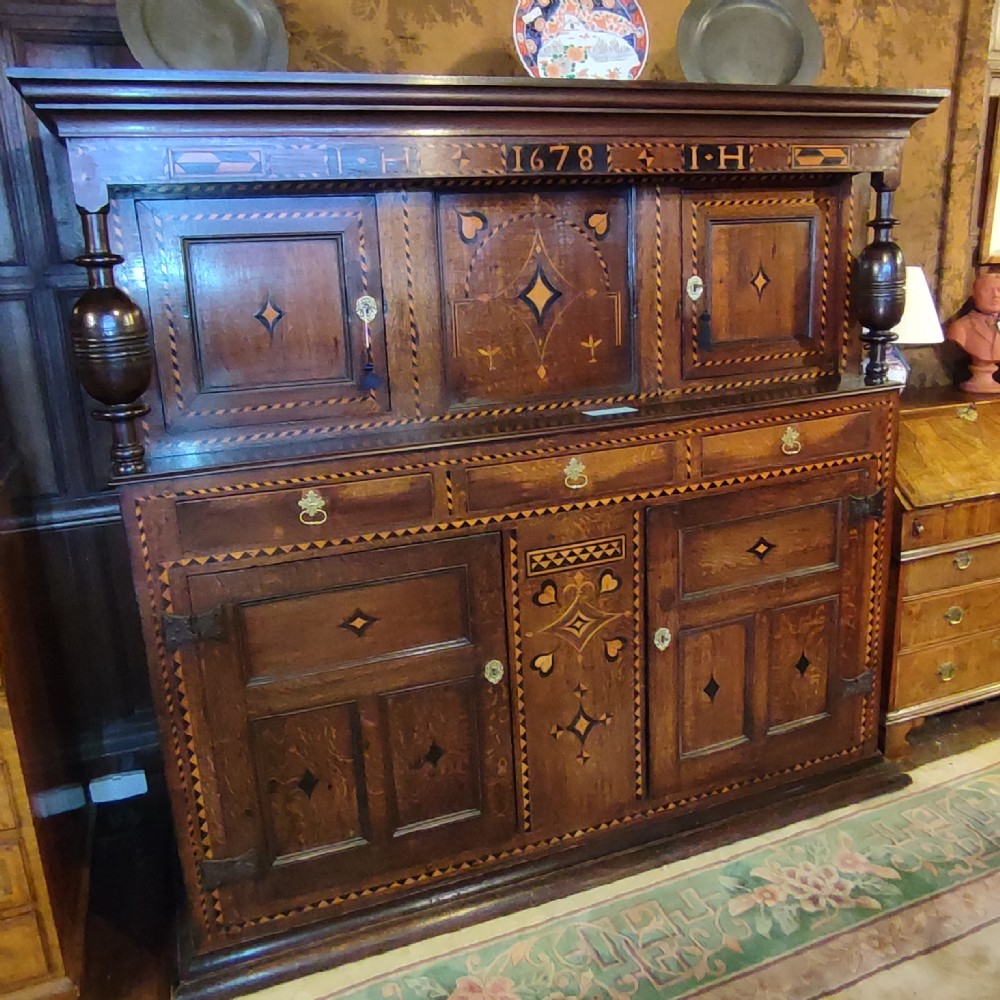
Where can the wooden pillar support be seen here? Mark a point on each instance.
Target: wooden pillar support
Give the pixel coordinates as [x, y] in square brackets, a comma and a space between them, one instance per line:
[111, 346]
[880, 285]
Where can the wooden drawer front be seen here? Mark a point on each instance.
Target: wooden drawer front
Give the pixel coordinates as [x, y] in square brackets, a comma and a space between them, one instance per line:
[950, 616]
[22, 957]
[791, 443]
[951, 524]
[748, 552]
[14, 889]
[349, 508]
[951, 569]
[948, 669]
[8, 818]
[253, 312]
[577, 476]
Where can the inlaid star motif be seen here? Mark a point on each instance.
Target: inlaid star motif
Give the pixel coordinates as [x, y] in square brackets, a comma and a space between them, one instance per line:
[761, 548]
[269, 316]
[358, 622]
[540, 294]
[307, 783]
[760, 281]
[712, 688]
[581, 725]
[803, 665]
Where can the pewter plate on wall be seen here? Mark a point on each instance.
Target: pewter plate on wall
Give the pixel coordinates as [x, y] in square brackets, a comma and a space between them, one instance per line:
[205, 34]
[774, 42]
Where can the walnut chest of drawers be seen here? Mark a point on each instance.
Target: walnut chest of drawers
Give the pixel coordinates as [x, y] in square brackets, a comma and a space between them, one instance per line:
[504, 493]
[947, 633]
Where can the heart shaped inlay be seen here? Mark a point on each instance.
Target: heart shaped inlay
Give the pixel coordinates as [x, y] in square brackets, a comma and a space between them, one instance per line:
[613, 648]
[544, 663]
[599, 222]
[609, 583]
[547, 596]
[470, 225]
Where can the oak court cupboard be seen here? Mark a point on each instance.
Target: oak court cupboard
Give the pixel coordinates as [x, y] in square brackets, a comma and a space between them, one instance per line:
[501, 482]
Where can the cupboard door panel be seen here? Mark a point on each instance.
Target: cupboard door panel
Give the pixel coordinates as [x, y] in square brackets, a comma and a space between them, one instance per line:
[536, 300]
[758, 680]
[770, 277]
[377, 739]
[714, 693]
[254, 309]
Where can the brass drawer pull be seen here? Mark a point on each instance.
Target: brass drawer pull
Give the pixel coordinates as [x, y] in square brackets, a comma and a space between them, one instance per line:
[947, 672]
[576, 474]
[494, 671]
[662, 639]
[963, 560]
[954, 616]
[791, 441]
[313, 508]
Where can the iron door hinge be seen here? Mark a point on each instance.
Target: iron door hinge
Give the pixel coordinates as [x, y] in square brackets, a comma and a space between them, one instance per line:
[182, 630]
[217, 872]
[862, 684]
[872, 506]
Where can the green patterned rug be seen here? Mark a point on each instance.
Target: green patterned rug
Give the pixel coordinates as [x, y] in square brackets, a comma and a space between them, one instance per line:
[804, 912]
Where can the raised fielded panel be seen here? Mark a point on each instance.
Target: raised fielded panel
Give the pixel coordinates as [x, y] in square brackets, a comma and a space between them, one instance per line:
[254, 309]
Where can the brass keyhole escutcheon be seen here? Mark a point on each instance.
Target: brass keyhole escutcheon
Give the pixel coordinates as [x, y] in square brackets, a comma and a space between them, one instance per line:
[662, 638]
[313, 508]
[791, 441]
[494, 671]
[695, 287]
[963, 560]
[947, 672]
[954, 616]
[576, 474]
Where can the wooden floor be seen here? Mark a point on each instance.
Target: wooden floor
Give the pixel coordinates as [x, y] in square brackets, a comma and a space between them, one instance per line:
[134, 877]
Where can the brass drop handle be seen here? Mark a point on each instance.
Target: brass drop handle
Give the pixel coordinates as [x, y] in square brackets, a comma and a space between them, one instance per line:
[963, 560]
[576, 474]
[954, 616]
[494, 671]
[947, 672]
[918, 528]
[313, 508]
[791, 441]
[662, 639]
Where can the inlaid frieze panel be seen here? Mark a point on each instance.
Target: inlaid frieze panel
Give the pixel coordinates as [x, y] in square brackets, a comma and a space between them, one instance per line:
[265, 310]
[760, 280]
[579, 620]
[535, 291]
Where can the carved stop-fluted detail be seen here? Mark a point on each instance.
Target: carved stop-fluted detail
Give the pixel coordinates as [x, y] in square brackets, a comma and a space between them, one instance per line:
[880, 287]
[111, 346]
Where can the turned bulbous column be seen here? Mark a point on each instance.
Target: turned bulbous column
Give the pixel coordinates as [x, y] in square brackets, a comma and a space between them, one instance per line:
[111, 346]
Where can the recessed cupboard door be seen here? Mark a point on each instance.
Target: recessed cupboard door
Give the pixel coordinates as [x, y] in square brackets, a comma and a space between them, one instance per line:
[254, 304]
[357, 708]
[758, 616]
[762, 281]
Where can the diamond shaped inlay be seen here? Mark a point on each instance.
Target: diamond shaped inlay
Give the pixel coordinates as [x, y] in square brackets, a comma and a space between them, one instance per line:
[308, 782]
[581, 725]
[803, 665]
[761, 548]
[358, 622]
[433, 755]
[760, 281]
[711, 688]
[540, 294]
[269, 316]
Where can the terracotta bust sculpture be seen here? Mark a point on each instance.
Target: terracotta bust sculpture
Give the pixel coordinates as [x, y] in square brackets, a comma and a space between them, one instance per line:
[978, 333]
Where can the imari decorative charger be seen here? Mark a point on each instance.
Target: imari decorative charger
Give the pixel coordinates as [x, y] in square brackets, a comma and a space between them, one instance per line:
[581, 39]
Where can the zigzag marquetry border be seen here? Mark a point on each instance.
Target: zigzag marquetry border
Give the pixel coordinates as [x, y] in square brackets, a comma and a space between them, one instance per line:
[172, 677]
